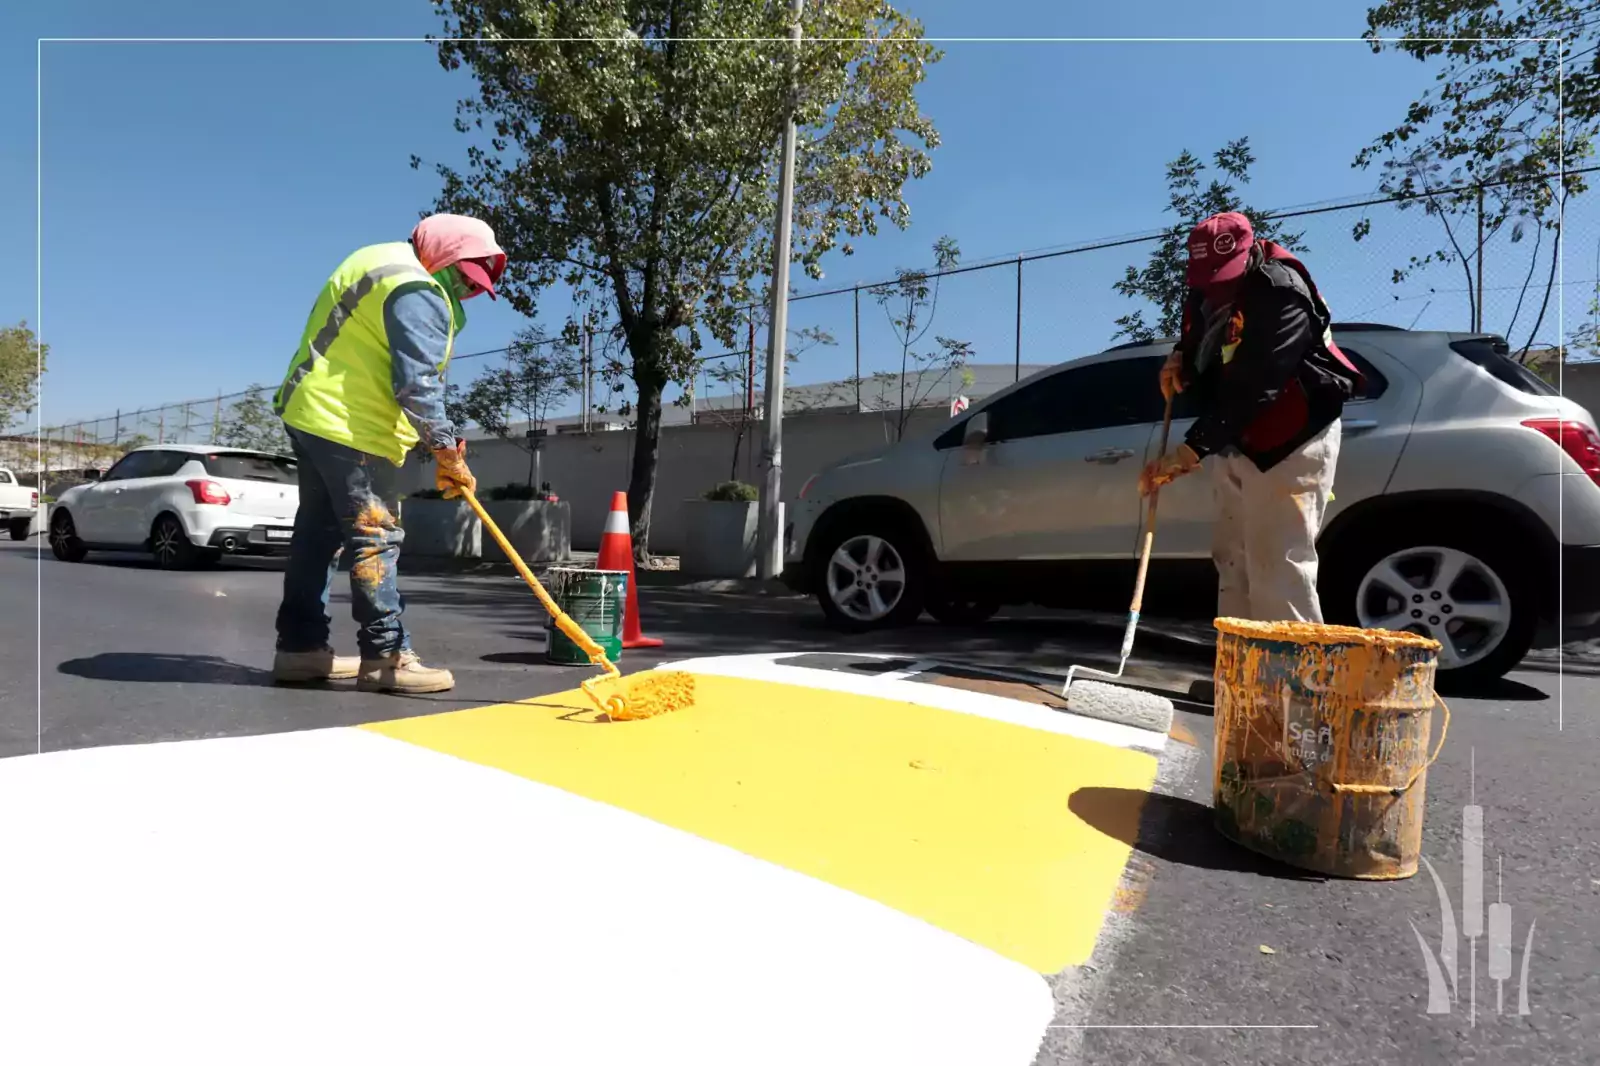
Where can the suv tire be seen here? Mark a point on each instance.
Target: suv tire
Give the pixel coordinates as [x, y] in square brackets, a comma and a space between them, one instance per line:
[20, 527]
[64, 542]
[1492, 580]
[889, 571]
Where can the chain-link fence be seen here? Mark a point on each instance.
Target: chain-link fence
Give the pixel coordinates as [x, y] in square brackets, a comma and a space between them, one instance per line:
[975, 327]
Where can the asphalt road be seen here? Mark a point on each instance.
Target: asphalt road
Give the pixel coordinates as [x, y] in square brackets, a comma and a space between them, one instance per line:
[115, 652]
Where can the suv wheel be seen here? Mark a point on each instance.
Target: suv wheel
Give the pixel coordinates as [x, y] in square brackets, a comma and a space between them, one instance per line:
[170, 544]
[1464, 589]
[871, 578]
[64, 542]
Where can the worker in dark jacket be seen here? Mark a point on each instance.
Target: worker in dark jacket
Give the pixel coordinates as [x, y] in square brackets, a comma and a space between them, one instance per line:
[1257, 351]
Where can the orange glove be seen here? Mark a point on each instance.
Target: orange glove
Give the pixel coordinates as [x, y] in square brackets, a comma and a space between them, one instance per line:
[1172, 381]
[1170, 467]
[453, 474]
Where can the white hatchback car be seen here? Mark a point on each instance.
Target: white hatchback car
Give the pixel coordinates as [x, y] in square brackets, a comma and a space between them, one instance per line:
[1466, 504]
[185, 504]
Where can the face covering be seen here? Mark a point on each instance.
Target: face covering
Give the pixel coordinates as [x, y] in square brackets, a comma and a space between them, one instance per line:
[454, 285]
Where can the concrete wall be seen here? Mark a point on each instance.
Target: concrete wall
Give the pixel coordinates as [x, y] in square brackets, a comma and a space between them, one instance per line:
[585, 469]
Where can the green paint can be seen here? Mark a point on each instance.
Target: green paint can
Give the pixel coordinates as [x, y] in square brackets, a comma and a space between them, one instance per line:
[596, 600]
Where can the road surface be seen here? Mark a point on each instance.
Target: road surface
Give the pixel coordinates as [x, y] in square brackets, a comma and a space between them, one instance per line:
[113, 652]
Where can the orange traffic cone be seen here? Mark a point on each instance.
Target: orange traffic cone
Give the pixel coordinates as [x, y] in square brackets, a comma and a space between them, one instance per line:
[616, 553]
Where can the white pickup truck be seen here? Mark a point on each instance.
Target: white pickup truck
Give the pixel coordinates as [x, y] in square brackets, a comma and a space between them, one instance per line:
[18, 503]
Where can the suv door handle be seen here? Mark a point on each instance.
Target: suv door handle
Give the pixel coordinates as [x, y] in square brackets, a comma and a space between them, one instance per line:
[1109, 455]
[1359, 423]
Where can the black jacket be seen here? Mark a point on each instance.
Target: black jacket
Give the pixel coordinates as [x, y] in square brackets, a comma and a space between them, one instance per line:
[1282, 386]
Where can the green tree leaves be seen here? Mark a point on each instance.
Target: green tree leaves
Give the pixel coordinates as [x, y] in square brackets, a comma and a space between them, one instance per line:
[21, 358]
[629, 150]
[1191, 199]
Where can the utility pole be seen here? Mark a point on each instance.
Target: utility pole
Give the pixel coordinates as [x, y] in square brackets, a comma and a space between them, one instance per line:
[770, 556]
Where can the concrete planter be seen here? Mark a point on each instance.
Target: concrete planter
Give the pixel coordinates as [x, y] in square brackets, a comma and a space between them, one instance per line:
[441, 529]
[540, 531]
[720, 538]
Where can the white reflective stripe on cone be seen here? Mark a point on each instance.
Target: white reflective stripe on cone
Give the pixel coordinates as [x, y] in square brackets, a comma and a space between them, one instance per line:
[617, 522]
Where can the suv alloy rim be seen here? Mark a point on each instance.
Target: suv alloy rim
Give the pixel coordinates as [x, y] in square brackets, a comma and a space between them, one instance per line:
[1443, 593]
[61, 534]
[866, 578]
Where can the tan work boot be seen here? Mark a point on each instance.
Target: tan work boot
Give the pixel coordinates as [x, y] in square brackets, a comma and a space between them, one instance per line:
[403, 673]
[307, 667]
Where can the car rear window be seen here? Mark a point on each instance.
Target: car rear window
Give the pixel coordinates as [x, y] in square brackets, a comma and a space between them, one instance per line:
[1493, 355]
[237, 467]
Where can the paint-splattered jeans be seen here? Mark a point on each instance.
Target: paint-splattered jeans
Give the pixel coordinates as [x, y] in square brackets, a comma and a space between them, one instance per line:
[347, 501]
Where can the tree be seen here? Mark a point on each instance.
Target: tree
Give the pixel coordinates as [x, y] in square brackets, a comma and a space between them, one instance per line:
[911, 301]
[1509, 117]
[630, 151]
[748, 376]
[540, 372]
[22, 357]
[252, 423]
[1161, 280]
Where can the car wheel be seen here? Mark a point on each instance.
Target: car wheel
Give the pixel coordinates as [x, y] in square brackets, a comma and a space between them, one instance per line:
[64, 542]
[1464, 589]
[962, 612]
[20, 527]
[170, 544]
[872, 578]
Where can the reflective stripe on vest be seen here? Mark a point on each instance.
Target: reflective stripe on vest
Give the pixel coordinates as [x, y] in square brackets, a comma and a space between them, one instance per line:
[342, 310]
[339, 384]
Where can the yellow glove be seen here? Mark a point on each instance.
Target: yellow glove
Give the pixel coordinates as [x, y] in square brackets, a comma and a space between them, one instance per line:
[1170, 467]
[1172, 381]
[453, 474]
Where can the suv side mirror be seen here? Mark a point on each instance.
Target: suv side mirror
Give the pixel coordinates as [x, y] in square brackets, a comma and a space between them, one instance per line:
[976, 431]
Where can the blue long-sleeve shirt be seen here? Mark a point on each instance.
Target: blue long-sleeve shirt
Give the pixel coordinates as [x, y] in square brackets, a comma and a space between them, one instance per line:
[417, 323]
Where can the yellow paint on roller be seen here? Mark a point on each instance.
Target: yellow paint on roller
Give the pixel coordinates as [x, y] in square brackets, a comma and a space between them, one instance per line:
[959, 820]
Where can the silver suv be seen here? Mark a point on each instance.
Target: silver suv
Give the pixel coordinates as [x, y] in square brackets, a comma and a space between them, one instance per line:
[1466, 504]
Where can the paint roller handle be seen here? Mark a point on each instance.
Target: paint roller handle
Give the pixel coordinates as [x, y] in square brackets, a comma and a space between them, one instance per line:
[1149, 540]
[1444, 728]
[573, 631]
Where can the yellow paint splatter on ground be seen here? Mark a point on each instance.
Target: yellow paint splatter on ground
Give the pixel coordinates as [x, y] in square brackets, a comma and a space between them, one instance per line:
[1011, 837]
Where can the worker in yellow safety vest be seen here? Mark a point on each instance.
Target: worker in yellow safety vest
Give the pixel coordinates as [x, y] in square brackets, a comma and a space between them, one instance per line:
[364, 389]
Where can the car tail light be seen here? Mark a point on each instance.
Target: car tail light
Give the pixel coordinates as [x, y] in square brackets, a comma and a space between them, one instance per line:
[36, 499]
[209, 492]
[1576, 439]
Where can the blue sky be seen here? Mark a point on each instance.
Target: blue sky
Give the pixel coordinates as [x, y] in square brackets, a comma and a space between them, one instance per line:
[196, 195]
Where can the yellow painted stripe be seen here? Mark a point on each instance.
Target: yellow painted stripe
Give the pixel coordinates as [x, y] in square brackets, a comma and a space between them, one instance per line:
[959, 820]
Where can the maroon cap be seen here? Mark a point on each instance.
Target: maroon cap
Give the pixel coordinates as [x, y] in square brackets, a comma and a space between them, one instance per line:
[477, 274]
[1219, 249]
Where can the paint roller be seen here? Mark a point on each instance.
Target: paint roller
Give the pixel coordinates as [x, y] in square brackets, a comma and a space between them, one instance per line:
[1116, 703]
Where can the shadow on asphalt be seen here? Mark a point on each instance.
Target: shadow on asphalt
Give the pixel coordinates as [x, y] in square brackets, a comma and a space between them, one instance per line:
[156, 668]
[1502, 689]
[1174, 830]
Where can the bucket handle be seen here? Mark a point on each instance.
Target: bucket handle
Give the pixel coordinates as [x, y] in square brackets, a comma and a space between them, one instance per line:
[1444, 728]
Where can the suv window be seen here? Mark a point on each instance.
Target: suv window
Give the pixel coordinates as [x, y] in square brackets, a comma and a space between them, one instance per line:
[1122, 392]
[1493, 355]
[1376, 384]
[236, 467]
[132, 465]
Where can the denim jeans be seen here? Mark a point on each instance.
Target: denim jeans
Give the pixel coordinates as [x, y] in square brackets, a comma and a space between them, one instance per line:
[347, 501]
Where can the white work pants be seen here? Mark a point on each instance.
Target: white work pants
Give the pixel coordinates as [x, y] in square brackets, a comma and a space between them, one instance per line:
[1265, 538]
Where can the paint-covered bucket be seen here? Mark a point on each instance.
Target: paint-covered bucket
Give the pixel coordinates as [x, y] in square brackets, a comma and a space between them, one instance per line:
[1322, 738]
[596, 600]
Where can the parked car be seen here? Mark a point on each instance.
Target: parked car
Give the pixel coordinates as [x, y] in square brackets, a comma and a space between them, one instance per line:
[1466, 504]
[185, 504]
[18, 503]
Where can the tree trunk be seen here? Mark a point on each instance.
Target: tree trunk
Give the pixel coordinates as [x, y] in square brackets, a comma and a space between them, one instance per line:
[646, 455]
